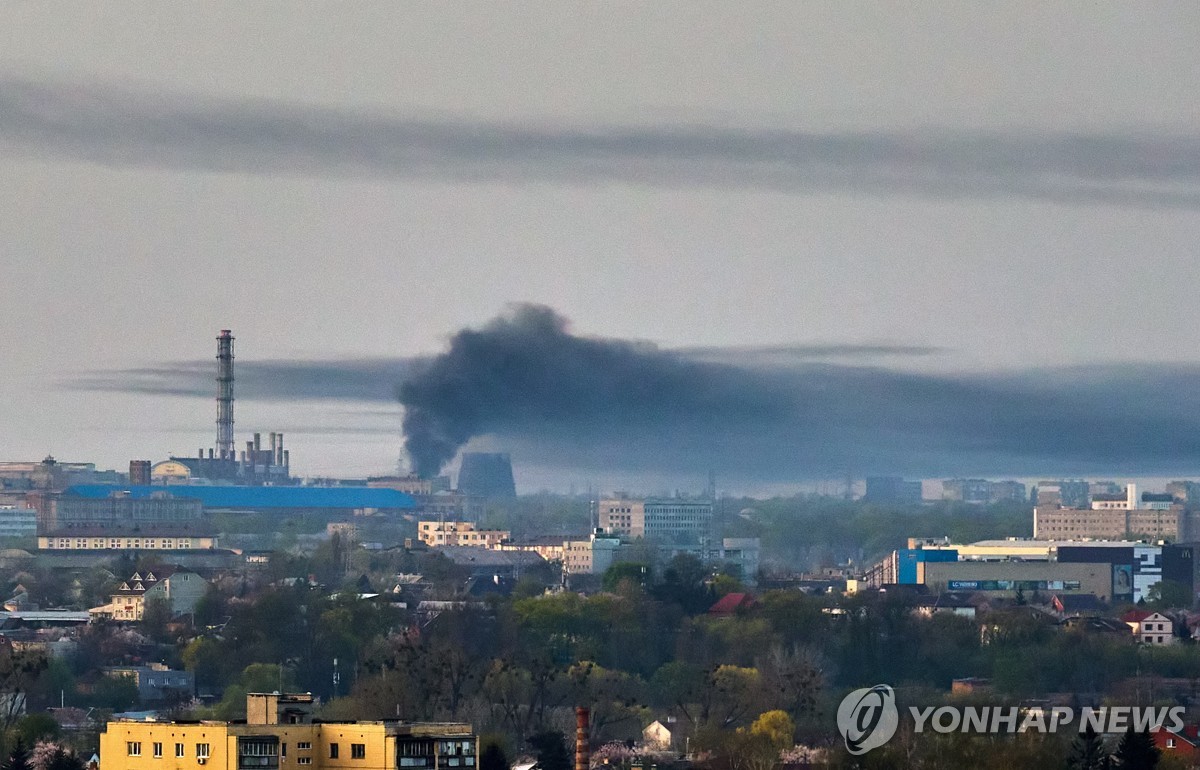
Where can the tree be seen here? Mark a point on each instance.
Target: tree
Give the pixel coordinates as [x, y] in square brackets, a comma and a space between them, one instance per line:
[493, 758]
[18, 759]
[769, 735]
[1088, 752]
[551, 750]
[1136, 751]
[156, 614]
[625, 571]
[1169, 595]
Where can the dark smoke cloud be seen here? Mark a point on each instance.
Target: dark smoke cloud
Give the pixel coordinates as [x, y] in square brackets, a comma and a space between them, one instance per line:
[103, 124]
[611, 404]
[526, 384]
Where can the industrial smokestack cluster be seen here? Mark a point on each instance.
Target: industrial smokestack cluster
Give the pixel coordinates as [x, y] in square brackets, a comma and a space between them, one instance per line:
[254, 463]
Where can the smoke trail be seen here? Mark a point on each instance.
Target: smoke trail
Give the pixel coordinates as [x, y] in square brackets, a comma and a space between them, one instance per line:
[603, 403]
[524, 371]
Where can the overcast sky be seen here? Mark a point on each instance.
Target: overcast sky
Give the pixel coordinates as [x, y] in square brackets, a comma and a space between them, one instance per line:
[1014, 185]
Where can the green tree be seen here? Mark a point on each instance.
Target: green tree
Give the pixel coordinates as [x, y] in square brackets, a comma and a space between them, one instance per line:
[1088, 752]
[1136, 751]
[1170, 595]
[625, 571]
[493, 757]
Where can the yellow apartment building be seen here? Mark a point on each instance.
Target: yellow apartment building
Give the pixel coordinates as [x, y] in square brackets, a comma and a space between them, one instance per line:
[279, 734]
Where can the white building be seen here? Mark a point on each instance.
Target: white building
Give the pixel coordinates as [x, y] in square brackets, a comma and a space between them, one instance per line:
[666, 518]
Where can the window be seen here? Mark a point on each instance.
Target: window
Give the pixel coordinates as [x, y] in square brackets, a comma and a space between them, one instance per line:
[304, 761]
[358, 751]
[133, 748]
[333, 751]
[1170, 743]
[303, 746]
[158, 750]
[202, 751]
[179, 749]
[283, 749]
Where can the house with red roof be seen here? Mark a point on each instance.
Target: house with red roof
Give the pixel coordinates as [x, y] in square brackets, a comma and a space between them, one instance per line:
[729, 604]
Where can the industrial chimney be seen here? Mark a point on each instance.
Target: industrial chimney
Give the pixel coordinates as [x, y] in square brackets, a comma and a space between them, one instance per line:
[225, 395]
[583, 756]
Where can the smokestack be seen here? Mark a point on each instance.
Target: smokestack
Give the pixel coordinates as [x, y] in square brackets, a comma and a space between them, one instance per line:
[274, 448]
[582, 755]
[287, 460]
[257, 444]
[210, 453]
[1131, 497]
[278, 458]
[225, 394]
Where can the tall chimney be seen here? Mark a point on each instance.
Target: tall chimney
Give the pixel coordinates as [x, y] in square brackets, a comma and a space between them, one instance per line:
[225, 394]
[279, 451]
[582, 755]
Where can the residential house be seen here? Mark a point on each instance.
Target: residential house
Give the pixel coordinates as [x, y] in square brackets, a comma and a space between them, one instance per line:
[1184, 744]
[181, 588]
[1150, 627]
[656, 736]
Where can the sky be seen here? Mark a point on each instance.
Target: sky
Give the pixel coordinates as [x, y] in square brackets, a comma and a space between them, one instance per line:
[1015, 188]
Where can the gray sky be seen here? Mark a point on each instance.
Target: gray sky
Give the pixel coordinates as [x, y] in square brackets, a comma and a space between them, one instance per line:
[1016, 185]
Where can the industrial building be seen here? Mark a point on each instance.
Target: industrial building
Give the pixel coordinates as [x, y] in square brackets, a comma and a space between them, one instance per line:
[486, 474]
[257, 464]
[1118, 571]
[280, 734]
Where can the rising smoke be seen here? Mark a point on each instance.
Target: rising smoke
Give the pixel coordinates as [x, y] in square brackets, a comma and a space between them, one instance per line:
[557, 400]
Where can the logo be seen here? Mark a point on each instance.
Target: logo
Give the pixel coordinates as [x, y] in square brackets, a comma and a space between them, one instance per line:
[868, 718]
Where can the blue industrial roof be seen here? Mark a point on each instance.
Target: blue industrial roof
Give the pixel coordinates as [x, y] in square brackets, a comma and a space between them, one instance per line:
[261, 497]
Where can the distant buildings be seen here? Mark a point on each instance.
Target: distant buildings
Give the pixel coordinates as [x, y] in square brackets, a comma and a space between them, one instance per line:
[1115, 516]
[982, 491]
[892, 489]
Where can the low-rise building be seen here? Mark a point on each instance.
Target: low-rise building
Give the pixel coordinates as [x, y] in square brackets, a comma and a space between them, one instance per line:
[156, 682]
[436, 534]
[279, 734]
[590, 556]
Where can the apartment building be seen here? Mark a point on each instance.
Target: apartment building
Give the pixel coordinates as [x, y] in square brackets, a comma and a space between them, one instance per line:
[279, 734]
